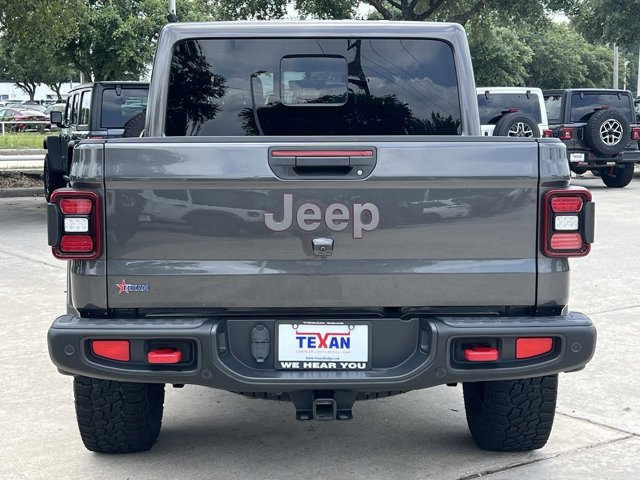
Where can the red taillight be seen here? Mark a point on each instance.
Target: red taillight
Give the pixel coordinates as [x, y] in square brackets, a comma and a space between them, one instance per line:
[532, 347]
[566, 133]
[111, 349]
[566, 204]
[635, 133]
[75, 206]
[75, 224]
[95, 137]
[547, 133]
[567, 222]
[76, 244]
[566, 241]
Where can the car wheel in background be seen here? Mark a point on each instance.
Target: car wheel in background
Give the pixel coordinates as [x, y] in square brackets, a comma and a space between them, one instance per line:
[52, 180]
[618, 176]
[607, 132]
[135, 125]
[517, 124]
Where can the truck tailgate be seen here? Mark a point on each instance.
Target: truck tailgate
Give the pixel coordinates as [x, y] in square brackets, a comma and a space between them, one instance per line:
[209, 224]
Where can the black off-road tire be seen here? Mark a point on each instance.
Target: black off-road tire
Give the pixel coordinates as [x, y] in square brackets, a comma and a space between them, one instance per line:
[51, 180]
[118, 417]
[617, 177]
[511, 415]
[579, 170]
[135, 125]
[512, 125]
[594, 139]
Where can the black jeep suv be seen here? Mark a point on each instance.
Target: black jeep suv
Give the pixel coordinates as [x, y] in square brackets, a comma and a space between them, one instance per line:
[599, 128]
[94, 110]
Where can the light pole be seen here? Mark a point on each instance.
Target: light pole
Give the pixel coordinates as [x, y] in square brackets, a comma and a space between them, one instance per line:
[624, 79]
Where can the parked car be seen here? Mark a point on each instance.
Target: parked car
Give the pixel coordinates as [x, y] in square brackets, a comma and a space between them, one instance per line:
[14, 114]
[35, 107]
[93, 110]
[512, 112]
[599, 128]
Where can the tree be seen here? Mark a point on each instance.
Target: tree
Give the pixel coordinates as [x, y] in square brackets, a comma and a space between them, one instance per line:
[500, 57]
[608, 20]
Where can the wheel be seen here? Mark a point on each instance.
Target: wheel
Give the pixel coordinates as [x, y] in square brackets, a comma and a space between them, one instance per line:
[579, 170]
[516, 124]
[52, 180]
[511, 415]
[618, 176]
[135, 125]
[607, 132]
[117, 417]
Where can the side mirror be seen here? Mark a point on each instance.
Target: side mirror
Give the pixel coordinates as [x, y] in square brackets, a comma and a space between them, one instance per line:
[56, 117]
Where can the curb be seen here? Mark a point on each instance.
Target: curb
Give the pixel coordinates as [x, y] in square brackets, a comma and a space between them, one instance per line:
[22, 151]
[22, 192]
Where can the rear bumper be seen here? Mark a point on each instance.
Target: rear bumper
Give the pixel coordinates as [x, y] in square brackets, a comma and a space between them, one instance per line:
[592, 160]
[407, 354]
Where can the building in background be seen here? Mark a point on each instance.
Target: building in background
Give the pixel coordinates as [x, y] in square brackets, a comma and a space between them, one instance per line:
[9, 91]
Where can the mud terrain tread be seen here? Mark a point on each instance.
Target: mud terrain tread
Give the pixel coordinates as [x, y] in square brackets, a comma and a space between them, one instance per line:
[118, 417]
[512, 415]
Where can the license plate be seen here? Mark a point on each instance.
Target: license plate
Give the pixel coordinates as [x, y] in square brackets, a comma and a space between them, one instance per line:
[576, 157]
[326, 345]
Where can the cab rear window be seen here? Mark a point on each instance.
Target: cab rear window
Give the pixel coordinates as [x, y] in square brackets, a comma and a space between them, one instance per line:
[493, 105]
[584, 104]
[356, 86]
[119, 105]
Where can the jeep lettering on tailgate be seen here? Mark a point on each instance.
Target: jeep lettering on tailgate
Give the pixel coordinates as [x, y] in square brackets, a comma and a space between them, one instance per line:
[309, 216]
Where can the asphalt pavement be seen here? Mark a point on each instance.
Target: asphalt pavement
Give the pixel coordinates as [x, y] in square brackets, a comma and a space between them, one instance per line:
[209, 434]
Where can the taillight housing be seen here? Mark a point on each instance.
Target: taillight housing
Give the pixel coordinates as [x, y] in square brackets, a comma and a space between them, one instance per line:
[74, 224]
[635, 133]
[566, 133]
[547, 133]
[568, 222]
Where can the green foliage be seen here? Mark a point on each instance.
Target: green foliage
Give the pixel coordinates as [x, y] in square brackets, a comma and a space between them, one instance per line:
[563, 58]
[22, 140]
[608, 20]
[500, 57]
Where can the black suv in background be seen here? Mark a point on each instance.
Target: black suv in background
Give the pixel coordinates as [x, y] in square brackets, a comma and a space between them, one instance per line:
[599, 128]
[94, 110]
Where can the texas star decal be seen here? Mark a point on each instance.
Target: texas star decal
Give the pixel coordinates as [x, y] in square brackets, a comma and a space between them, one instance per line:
[124, 287]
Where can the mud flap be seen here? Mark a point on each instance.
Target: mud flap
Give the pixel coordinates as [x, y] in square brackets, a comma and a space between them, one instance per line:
[54, 150]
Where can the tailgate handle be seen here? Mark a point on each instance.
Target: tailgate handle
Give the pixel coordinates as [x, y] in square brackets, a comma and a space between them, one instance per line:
[335, 163]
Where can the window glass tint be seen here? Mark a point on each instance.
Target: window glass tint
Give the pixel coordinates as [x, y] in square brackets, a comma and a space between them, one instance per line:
[85, 105]
[491, 106]
[312, 87]
[583, 105]
[553, 104]
[74, 109]
[313, 80]
[118, 109]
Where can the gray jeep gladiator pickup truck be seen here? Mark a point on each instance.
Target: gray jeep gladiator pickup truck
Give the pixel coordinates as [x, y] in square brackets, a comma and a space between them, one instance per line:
[312, 215]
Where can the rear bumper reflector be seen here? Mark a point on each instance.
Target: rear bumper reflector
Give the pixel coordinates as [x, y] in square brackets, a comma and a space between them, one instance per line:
[111, 349]
[532, 347]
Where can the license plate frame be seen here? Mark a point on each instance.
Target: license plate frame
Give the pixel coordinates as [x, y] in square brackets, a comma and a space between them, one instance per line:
[576, 157]
[332, 334]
